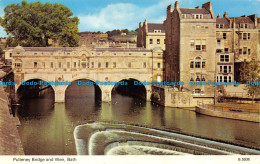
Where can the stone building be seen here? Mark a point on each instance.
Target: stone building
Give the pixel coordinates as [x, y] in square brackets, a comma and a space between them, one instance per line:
[190, 46]
[151, 35]
[59, 64]
[240, 36]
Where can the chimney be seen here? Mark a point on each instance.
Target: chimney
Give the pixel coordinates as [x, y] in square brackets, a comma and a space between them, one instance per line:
[225, 14]
[169, 8]
[219, 16]
[198, 7]
[177, 5]
[146, 26]
[208, 7]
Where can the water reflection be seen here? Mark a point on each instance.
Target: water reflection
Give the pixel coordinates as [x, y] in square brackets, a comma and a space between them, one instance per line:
[47, 129]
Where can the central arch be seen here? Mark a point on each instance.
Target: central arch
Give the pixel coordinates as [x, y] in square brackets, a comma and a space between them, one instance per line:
[84, 87]
[134, 88]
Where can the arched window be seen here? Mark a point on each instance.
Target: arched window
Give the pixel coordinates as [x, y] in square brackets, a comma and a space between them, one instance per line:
[197, 62]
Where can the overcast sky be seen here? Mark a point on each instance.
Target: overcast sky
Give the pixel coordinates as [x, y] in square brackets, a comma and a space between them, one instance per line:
[104, 15]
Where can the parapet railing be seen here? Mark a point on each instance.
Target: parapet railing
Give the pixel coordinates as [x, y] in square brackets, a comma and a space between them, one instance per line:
[228, 109]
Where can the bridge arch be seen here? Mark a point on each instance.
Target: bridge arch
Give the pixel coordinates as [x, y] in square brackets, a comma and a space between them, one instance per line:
[34, 87]
[83, 82]
[132, 87]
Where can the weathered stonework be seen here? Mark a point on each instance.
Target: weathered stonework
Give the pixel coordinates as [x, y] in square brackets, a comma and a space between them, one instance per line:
[101, 64]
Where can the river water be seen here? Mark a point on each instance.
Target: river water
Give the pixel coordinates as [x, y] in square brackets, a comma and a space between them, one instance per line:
[47, 128]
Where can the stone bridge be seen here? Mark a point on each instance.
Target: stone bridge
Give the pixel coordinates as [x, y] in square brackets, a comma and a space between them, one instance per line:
[56, 64]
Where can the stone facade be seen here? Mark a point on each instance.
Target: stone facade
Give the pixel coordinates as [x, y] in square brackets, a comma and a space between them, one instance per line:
[202, 47]
[190, 46]
[151, 35]
[100, 64]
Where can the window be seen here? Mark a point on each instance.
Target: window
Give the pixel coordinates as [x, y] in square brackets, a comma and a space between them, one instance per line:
[217, 78]
[240, 51]
[198, 45]
[217, 25]
[114, 64]
[197, 16]
[249, 51]
[225, 69]
[158, 65]
[92, 64]
[193, 29]
[224, 35]
[244, 50]
[203, 45]
[83, 64]
[18, 65]
[68, 64]
[244, 36]
[197, 62]
[198, 78]
[203, 64]
[246, 25]
[248, 36]
[192, 64]
[203, 78]
[206, 29]
[10, 54]
[198, 28]
[75, 64]
[51, 64]
[59, 64]
[202, 29]
[220, 69]
[229, 69]
[35, 53]
[68, 53]
[114, 53]
[221, 26]
[240, 35]
[144, 65]
[192, 45]
[225, 79]
[99, 65]
[130, 54]
[129, 65]
[229, 78]
[192, 77]
[224, 58]
[144, 54]
[226, 49]
[151, 41]
[106, 64]
[158, 41]
[220, 78]
[218, 41]
[35, 64]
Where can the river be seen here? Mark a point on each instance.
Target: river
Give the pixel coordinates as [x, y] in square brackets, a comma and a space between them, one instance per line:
[47, 127]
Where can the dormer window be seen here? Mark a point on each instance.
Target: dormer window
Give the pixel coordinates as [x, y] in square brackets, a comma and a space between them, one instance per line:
[157, 31]
[197, 16]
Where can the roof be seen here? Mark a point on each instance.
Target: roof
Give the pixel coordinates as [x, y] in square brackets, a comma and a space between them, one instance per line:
[194, 11]
[223, 21]
[45, 48]
[123, 49]
[155, 26]
[239, 20]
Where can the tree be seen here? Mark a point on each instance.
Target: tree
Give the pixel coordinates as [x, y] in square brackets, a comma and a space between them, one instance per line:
[33, 24]
[251, 72]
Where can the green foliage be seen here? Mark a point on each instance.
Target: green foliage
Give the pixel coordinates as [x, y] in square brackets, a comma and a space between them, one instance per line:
[119, 32]
[251, 72]
[32, 24]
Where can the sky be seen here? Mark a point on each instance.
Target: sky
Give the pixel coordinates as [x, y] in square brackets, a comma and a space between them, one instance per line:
[104, 15]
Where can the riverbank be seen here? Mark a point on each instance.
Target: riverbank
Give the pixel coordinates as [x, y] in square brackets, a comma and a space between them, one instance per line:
[245, 112]
[10, 143]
